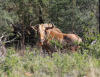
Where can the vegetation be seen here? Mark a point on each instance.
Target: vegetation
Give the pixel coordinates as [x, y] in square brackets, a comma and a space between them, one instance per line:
[78, 16]
[65, 14]
[61, 65]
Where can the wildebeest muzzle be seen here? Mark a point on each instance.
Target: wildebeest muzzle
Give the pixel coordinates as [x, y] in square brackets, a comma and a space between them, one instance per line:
[41, 41]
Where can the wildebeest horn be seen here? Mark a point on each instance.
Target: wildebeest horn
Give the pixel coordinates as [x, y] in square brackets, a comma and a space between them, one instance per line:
[31, 22]
[52, 24]
[34, 27]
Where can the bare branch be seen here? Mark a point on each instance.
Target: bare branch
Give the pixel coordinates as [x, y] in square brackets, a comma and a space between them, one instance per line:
[19, 33]
[4, 35]
[11, 40]
[1, 37]
[93, 42]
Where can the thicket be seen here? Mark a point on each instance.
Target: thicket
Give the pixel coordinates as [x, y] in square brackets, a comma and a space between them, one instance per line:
[68, 15]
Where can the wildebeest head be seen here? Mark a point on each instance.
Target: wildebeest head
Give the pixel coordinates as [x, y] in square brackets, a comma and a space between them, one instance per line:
[42, 31]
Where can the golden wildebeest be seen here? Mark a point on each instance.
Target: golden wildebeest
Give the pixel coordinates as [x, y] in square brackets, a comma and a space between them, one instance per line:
[48, 32]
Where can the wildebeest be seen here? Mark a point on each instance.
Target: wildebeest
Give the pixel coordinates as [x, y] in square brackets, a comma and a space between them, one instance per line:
[48, 32]
[45, 27]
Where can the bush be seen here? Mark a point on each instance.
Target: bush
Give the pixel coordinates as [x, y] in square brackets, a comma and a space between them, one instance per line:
[63, 65]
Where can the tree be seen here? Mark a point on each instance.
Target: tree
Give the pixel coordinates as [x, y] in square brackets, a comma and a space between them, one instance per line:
[82, 12]
[6, 18]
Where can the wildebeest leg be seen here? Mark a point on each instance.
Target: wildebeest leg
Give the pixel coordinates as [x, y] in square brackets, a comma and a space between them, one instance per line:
[45, 47]
[72, 48]
[77, 48]
[49, 53]
[48, 49]
[41, 50]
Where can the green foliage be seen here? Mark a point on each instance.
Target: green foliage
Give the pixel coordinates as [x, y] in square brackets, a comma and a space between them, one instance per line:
[10, 61]
[91, 35]
[64, 14]
[6, 18]
[55, 43]
[73, 13]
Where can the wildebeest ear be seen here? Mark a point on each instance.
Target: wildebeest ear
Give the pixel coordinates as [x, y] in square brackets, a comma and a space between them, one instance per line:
[50, 26]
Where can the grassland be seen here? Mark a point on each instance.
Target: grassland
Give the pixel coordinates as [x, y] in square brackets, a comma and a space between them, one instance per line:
[32, 64]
